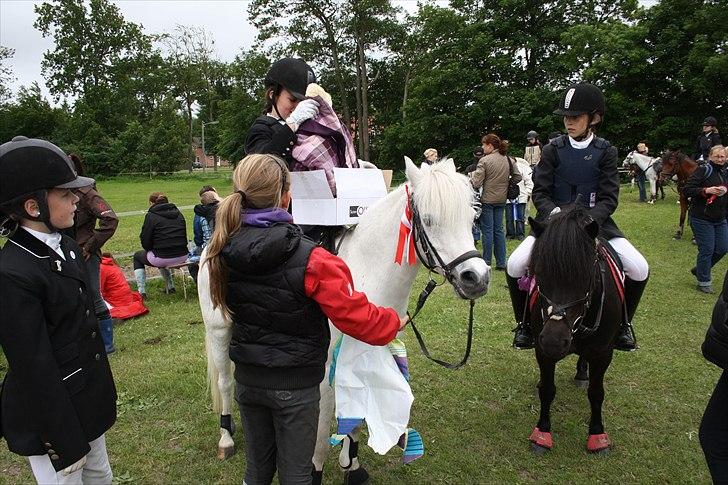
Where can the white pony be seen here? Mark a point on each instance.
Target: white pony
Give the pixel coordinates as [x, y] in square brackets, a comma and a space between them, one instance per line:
[647, 165]
[443, 199]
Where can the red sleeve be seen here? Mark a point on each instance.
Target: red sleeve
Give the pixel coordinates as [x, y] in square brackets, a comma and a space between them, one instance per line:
[328, 281]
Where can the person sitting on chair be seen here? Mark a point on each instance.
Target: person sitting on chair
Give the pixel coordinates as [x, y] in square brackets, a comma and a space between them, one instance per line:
[203, 224]
[579, 168]
[164, 239]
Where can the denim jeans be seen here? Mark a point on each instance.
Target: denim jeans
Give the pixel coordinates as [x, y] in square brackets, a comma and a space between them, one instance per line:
[491, 234]
[515, 220]
[280, 433]
[641, 179]
[712, 239]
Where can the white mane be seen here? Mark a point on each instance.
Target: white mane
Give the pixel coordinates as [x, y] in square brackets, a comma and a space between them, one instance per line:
[443, 191]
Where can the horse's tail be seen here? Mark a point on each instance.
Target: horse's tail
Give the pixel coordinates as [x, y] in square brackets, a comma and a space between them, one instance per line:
[216, 325]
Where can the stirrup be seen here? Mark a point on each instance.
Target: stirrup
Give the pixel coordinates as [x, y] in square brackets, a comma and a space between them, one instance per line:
[522, 340]
[626, 342]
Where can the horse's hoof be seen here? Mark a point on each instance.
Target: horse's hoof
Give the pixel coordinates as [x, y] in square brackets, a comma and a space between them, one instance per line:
[225, 452]
[356, 477]
[581, 383]
[539, 450]
[677, 237]
[598, 444]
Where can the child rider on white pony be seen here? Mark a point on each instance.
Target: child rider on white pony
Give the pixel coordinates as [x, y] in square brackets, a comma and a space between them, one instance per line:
[579, 163]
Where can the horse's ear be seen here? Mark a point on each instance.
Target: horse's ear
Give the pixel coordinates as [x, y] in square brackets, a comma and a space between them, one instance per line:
[592, 228]
[413, 173]
[449, 165]
[536, 227]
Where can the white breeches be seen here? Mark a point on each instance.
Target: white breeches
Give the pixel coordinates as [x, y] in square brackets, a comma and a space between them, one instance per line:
[635, 265]
[96, 471]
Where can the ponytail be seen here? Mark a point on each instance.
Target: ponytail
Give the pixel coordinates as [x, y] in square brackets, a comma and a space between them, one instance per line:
[228, 220]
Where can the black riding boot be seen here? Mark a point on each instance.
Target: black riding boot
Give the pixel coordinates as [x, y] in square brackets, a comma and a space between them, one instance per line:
[632, 294]
[524, 336]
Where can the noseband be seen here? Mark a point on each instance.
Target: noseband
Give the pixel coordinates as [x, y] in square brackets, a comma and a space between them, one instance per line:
[558, 311]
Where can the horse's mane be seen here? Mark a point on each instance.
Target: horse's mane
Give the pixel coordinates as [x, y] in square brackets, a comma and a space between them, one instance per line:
[564, 253]
[446, 193]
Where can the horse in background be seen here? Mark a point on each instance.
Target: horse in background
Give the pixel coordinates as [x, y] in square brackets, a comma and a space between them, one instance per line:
[444, 201]
[576, 307]
[649, 166]
[677, 164]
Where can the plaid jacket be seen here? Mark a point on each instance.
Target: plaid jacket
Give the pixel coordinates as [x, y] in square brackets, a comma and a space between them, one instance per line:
[324, 143]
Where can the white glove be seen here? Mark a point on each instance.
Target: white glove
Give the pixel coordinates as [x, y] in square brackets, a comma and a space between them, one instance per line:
[306, 109]
[75, 467]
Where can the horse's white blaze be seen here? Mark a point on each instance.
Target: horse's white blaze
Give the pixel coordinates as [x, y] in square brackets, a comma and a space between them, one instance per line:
[442, 196]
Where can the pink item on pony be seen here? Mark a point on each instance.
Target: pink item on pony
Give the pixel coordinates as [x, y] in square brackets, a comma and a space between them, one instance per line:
[597, 442]
[541, 438]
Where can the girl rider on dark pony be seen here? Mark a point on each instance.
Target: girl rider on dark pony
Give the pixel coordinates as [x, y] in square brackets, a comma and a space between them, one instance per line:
[579, 164]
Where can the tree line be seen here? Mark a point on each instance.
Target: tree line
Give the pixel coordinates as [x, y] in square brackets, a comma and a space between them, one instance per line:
[404, 81]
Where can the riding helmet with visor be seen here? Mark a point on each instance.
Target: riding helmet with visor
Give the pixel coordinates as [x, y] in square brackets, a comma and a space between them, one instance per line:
[710, 121]
[531, 134]
[28, 168]
[581, 98]
[292, 74]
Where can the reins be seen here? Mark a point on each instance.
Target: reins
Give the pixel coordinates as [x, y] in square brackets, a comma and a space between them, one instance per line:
[432, 260]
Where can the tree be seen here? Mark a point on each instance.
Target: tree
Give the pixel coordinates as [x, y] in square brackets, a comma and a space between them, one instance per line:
[29, 115]
[6, 73]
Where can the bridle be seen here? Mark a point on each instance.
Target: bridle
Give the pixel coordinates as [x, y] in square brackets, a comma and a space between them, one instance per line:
[676, 161]
[556, 311]
[431, 259]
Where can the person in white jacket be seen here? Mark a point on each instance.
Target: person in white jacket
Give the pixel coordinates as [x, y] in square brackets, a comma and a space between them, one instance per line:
[516, 208]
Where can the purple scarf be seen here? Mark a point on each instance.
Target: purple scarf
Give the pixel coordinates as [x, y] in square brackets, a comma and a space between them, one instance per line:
[266, 217]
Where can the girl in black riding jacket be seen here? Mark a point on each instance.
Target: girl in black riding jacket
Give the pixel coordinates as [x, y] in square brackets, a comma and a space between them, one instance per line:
[706, 189]
[707, 140]
[579, 168]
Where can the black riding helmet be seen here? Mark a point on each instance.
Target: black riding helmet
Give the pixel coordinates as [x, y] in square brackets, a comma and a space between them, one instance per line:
[531, 134]
[292, 74]
[28, 167]
[579, 99]
[710, 121]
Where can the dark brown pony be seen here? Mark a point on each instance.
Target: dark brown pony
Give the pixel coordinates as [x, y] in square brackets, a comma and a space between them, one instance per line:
[675, 163]
[577, 309]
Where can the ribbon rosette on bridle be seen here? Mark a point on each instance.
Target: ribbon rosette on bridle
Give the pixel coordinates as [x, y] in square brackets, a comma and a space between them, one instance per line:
[406, 241]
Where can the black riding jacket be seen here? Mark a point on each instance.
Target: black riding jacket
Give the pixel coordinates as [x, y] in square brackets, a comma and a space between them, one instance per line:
[269, 135]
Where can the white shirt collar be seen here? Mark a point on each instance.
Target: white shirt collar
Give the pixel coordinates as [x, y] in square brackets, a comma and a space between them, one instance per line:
[52, 240]
[580, 145]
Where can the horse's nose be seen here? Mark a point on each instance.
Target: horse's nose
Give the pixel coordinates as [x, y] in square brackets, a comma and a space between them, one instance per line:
[473, 278]
[469, 277]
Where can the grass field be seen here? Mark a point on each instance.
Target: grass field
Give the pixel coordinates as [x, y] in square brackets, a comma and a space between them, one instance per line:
[475, 421]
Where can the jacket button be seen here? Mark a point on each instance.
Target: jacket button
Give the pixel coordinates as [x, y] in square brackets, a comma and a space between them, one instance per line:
[87, 312]
[54, 457]
[93, 334]
[97, 356]
[52, 452]
[80, 290]
[48, 445]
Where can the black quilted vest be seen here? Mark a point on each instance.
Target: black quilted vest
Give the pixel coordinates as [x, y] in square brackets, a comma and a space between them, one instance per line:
[280, 336]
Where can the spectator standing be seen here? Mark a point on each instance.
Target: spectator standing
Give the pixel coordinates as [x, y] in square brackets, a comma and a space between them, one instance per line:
[430, 156]
[707, 140]
[58, 394]
[516, 209]
[639, 174]
[532, 153]
[714, 425]
[164, 242]
[493, 173]
[94, 224]
[707, 188]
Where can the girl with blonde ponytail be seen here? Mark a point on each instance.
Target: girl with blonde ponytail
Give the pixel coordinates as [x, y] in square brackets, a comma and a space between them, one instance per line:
[280, 290]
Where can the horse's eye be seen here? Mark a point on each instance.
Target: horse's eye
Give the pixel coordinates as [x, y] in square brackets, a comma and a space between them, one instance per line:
[427, 220]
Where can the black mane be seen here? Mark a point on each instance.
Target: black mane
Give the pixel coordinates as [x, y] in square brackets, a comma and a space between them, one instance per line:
[564, 254]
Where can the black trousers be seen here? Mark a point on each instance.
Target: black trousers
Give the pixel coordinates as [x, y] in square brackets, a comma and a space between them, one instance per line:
[714, 431]
[280, 429]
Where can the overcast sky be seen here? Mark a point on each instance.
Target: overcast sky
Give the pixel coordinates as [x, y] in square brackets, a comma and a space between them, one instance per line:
[225, 19]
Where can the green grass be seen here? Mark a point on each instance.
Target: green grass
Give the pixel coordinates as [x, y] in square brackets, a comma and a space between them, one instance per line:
[475, 422]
